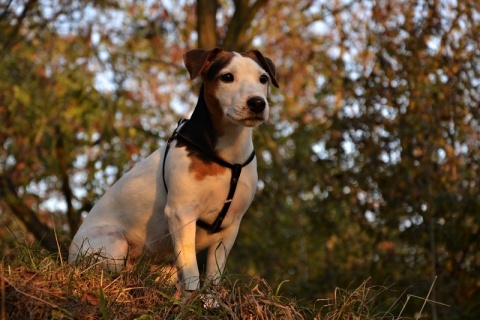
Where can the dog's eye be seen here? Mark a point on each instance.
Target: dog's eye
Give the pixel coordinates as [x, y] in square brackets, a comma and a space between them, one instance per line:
[227, 77]
[264, 79]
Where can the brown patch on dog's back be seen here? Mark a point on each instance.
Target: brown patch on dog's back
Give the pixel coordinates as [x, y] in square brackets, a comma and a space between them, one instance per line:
[201, 168]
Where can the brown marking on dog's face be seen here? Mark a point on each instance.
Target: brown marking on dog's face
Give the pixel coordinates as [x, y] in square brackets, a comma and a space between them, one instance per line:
[202, 169]
[211, 84]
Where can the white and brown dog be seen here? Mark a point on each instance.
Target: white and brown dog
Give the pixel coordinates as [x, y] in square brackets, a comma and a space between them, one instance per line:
[191, 194]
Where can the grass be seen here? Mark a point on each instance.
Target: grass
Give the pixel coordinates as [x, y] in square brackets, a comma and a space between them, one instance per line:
[35, 284]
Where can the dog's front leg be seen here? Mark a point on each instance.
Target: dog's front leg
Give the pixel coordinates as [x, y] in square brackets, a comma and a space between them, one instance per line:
[218, 253]
[182, 228]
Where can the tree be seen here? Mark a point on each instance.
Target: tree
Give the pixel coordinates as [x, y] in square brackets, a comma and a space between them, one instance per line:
[64, 129]
[368, 166]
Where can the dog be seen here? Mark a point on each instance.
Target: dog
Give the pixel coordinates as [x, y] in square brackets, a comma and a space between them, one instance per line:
[192, 193]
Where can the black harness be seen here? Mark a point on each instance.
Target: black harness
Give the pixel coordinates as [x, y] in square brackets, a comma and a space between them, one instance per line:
[236, 168]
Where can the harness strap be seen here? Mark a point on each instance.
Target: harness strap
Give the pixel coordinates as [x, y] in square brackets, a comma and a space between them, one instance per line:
[236, 168]
[180, 124]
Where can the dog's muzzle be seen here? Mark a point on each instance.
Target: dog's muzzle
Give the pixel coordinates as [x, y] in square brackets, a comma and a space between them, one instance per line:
[256, 104]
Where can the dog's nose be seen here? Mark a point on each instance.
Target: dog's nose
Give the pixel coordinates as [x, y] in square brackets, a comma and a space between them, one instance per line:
[256, 104]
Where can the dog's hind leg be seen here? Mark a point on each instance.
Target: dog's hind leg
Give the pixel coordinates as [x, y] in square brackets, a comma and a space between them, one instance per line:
[107, 244]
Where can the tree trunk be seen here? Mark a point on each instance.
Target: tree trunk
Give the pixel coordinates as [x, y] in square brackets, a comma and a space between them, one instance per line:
[207, 23]
[237, 38]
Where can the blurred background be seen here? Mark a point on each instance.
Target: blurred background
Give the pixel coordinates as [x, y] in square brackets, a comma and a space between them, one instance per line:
[369, 165]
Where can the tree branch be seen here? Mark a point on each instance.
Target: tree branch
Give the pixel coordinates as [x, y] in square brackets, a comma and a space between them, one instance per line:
[240, 22]
[13, 203]
[72, 215]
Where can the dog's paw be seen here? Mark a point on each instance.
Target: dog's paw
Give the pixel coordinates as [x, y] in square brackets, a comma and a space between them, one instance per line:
[209, 301]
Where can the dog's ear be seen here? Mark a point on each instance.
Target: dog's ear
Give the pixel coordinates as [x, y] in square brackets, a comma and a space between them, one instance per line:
[198, 60]
[266, 64]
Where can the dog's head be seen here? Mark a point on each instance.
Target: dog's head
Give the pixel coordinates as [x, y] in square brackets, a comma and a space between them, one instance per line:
[235, 84]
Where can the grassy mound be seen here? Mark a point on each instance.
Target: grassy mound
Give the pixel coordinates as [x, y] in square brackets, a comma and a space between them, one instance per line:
[38, 285]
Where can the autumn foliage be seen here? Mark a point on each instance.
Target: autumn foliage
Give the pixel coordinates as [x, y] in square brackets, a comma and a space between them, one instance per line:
[369, 165]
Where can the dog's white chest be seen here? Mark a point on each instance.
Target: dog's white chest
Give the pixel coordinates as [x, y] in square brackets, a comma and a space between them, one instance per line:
[205, 187]
[214, 195]
[197, 191]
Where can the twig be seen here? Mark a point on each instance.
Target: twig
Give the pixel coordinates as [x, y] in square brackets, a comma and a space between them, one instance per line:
[56, 240]
[426, 299]
[431, 301]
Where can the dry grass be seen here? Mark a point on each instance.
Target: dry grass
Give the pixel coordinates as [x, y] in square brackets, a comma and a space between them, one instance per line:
[37, 285]
[364, 302]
